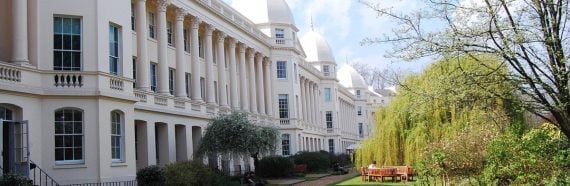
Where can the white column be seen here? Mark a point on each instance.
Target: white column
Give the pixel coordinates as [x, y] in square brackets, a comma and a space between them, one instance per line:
[306, 101]
[253, 97]
[171, 143]
[162, 47]
[311, 102]
[20, 32]
[143, 66]
[233, 75]
[259, 83]
[196, 72]
[243, 83]
[268, 88]
[209, 66]
[180, 88]
[151, 142]
[316, 104]
[303, 99]
[222, 70]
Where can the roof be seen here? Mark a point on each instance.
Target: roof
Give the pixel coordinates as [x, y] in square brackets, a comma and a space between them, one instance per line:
[350, 78]
[265, 11]
[316, 48]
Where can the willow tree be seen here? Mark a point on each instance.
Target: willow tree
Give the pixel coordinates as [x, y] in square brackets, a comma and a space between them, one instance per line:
[530, 36]
[437, 105]
[234, 134]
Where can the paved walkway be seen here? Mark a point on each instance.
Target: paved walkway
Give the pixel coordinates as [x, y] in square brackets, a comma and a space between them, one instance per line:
[327, 180]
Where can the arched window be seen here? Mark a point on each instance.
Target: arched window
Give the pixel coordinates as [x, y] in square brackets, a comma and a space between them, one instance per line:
[285, 144]
[6, 114]
[117, 133]
[69, 136]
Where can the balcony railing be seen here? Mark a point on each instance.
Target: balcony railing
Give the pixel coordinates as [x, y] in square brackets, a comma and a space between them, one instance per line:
[68, 79]
[10, 74]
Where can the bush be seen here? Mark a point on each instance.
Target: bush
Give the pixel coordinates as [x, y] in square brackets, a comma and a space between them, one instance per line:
[540, 156]
[275, 166]
[151, 175]
[342, 159]
[14, 179]
[315, 161]
[193, 173]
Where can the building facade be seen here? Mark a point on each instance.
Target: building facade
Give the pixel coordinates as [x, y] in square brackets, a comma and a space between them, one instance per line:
[108, 87]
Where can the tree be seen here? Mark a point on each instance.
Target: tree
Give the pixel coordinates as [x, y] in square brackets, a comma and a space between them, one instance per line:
[374, 76]
[234, 134]
[530, 36]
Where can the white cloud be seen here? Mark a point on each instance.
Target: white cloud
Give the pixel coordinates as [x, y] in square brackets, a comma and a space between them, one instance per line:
[329, 15]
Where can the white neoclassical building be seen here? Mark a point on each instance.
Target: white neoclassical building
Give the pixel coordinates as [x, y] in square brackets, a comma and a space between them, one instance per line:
[92, 90]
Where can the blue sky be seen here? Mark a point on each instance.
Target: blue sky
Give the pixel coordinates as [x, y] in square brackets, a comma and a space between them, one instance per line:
[345, 23]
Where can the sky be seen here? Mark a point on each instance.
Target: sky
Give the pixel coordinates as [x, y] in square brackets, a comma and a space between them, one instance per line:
[345, 23]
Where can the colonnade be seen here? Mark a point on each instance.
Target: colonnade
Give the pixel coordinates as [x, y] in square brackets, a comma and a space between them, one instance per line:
[310, 101]
[258, 65]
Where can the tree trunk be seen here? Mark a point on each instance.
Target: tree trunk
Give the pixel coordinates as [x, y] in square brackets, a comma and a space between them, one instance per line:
[255, 161]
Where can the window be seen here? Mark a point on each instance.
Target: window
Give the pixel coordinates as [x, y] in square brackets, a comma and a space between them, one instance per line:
[281, 69]
[186, 48]
[203, 88]
[114, 50]
[132, 16]
[117, 124]
[68, 136]
[293, 35]
[200, 47]
[153, 77]
[171, 81]
[134, 71]
[169, 34]
[359, 112]
[279, 33]
[331, 145]
[326, 70]
[358, 93]
[285, 144]
[188, 83]
[328, 96]
[283, 106]
[66, 44]
[329, 119]
[5, 114]
[360, 130]
[151, 25]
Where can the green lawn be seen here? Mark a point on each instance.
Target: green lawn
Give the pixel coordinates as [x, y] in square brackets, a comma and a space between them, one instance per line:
[357, 181]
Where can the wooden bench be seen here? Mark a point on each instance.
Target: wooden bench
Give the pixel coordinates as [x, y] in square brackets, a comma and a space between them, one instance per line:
[404, 172]
[382, 173]
[302, 168]
[364, 174]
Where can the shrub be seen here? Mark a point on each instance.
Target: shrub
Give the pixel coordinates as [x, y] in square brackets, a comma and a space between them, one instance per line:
[151, 175]
[315, 161]
[342, 159]
[275, 166]
[193, 173]
[540, 156]
[15, 179]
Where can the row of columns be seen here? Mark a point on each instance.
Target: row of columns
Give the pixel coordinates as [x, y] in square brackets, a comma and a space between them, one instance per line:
[259, 68]
[309, 94]
[311, 144]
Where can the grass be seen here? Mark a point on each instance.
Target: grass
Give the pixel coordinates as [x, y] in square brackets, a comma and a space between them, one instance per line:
[358, 181]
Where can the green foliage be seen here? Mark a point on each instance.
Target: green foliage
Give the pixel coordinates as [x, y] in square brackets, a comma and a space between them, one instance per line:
[315, 161]
[150, 176]
[540, 156]
[234, 134]
[342, 159]
[15, 179]
[192, 173]
[275, 166]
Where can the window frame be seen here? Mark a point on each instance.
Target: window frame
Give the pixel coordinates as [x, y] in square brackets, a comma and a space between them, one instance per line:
[359, 111]
[169, 34]
[331, 145]
[328, 94]
[151, 25]
[117, 64]
[120, 136]
[281, 69]
[283, 105]
[329, 119]
[72, 51]
[153, 76]
[63, 135]
[279, 33]
[285, 144]
[171, 80]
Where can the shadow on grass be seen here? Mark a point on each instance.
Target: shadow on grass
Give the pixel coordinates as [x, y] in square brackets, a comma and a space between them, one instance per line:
[354, 181]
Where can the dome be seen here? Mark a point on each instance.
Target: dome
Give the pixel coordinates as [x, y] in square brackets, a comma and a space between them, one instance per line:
[349, 78]
[316, 47]
[265, 11]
